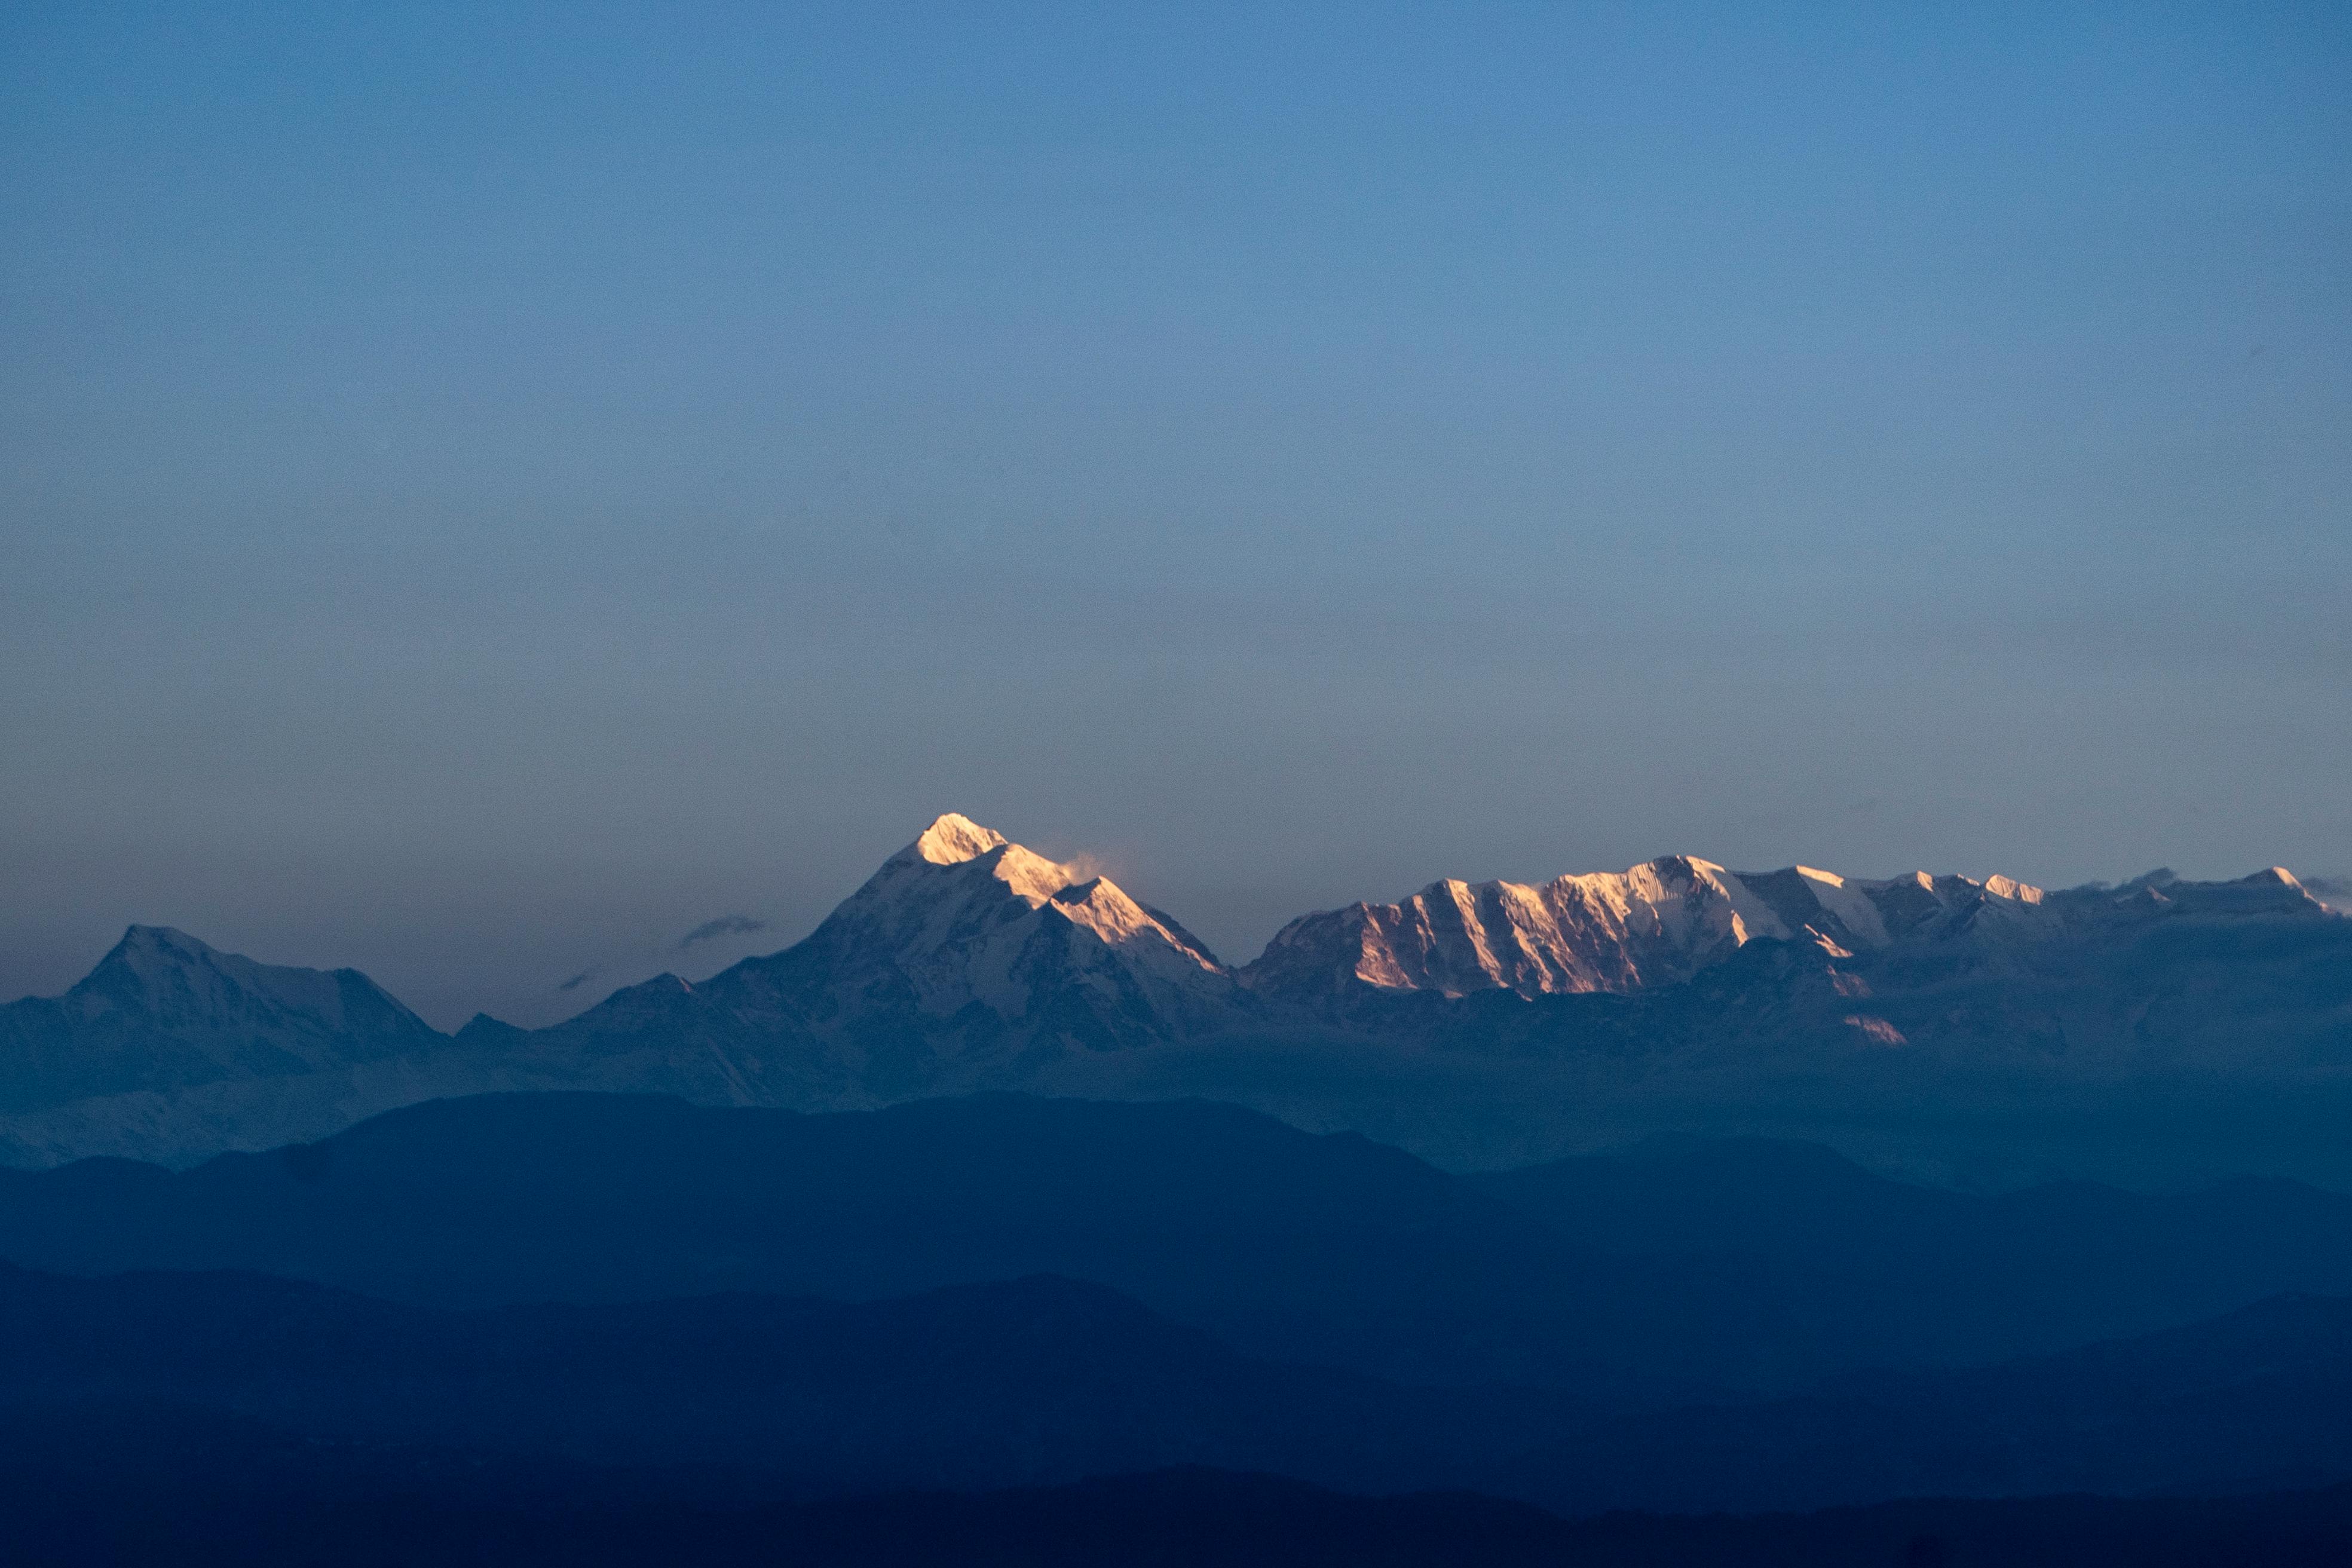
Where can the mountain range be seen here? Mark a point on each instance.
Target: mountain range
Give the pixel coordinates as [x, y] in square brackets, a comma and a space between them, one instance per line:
[969, 962]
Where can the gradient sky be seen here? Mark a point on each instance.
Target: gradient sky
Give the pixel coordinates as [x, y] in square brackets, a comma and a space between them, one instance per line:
[486, 490]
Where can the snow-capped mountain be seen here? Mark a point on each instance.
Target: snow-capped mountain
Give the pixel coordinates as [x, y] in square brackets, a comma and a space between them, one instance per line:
[1663, 922]
[163, 1011]
[966, 960]
[1658, 923]
[1708, 970]
[963, 918]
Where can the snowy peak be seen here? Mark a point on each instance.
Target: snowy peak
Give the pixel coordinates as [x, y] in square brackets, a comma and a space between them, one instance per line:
[956, 861]
[954, 850]
[965, 930]
[953, 838]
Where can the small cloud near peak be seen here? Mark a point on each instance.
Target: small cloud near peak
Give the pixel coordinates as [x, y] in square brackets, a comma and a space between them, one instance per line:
[725, 925]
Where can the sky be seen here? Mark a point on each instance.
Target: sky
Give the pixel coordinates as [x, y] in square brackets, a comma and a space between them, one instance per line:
[489, 492]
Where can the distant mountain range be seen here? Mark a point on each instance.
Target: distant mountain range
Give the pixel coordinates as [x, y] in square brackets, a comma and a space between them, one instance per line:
[970, 963]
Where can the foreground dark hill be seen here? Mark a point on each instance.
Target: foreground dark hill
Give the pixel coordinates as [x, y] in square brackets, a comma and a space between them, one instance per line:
[1665, 1274]
[1047, 1380]
[2261, 1399]
[145, 1485]
[980, 1385]
[1927, 1273]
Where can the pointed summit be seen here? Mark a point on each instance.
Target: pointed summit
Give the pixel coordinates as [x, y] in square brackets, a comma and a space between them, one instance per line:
[168, 979]
[953, 838]
[945, 913]
[145, 954]
[163, 1011]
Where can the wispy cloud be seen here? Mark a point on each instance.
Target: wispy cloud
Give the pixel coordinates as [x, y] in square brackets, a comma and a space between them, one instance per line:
[2327, 887]
[725, 925]
[580, 979]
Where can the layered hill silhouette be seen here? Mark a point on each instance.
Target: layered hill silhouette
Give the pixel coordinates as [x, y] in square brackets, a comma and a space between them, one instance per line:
[1045, 1380]
[2261, 1399]
[1030, 1381]
[1626, 1281]
[968, 962]
[144, 1484]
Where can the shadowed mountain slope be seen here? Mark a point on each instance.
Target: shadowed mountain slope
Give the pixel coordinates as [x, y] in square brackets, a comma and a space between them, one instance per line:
[164, 1012]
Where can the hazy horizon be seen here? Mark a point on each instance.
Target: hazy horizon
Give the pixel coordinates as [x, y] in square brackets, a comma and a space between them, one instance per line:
[482, 497]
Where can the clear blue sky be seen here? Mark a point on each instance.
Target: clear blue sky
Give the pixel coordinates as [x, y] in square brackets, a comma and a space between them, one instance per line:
[485, 489]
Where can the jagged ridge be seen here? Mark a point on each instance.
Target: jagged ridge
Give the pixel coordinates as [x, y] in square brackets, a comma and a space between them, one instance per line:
[1658, 923]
